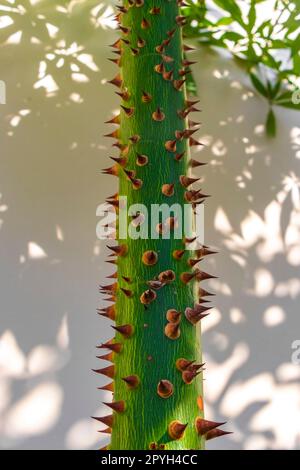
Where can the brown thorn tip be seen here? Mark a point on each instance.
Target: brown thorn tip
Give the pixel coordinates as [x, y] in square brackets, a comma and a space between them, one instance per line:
[173, 316]
[194, 315]
[172, 330]
[117, 406]
[140, 42]
[141, 160]
[117, 81]
[166, 276]
[128, 111]
[176, 430]
[178, 254]
[186, 181]
[159, 68]
[216, 433]
[127, 292]
[189, 375]
[183, 364]
[125, 330]
[158, 115]
[146, 97]
[148, 296]
[134, 139]
[108, 387]
[178, 84]
[150, 258]
[165, 389]
[108, 371]
[170, 145]
[155, 11]
[145, 24]
[119, 250]
[132, 381]
[107, 420]
[168, 189]
[203, 425]
[115, 347]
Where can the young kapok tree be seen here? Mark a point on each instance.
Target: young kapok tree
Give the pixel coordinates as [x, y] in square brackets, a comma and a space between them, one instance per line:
[157, 297]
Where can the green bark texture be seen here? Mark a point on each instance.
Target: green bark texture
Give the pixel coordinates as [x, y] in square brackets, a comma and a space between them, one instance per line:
[141, 418]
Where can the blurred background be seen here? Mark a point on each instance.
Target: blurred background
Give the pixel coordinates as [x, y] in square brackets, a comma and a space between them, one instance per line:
[54, 68]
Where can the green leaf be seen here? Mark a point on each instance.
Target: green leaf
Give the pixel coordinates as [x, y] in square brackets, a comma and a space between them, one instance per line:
[271, 124]
[232, 36]
[258, 85]
[252, 16]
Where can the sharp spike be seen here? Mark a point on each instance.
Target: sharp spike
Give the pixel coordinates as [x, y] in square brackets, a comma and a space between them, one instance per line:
[125, 30]
[140, 42]
[173, 316]
[147, 297]
[194, 315]
[113, 170]
[158, 115]
[189, 375]
[107, 420]
[108, 387]
[172, 330]
[176, 430]
[168, 189]
[188, 63]
[117, 406]
[159, 68]
[170, 145]
[155, 11]
[124, 94]
[179, 156]
[114, 120]
[194, 163]
[183, 364]
[106, 357]
[128, 111]
[127, 292]
[187, 48]
[114, 347]
[108, 312]
[150, 258]
[160, 49]
[134, 139]
[194, 142]
[202, 276]
[167, 58]
[171, 33]
[132, 381]
[203, 426]
[117, 81]
[141, 160]
[166, 276]
[205, 251]
[178, 84]
[145, 24]
[108, 371]
[165, 389]
[125, 330]
[119, 250]
[186, 181]
[216, 433]
[178, 254]
[168, 75]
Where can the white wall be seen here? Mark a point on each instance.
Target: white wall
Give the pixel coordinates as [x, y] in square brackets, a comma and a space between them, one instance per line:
[51, 263]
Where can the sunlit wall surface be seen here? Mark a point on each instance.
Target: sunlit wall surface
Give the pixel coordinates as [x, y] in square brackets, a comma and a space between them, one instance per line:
[54, 67]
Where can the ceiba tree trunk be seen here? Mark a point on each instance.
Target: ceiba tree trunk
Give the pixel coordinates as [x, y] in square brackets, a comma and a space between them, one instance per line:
[156, 362]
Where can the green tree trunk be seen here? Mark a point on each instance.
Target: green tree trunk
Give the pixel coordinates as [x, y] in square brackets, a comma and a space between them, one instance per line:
[156, 353]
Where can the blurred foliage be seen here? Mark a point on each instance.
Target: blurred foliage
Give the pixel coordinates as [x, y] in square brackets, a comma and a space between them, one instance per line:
[262, 36]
